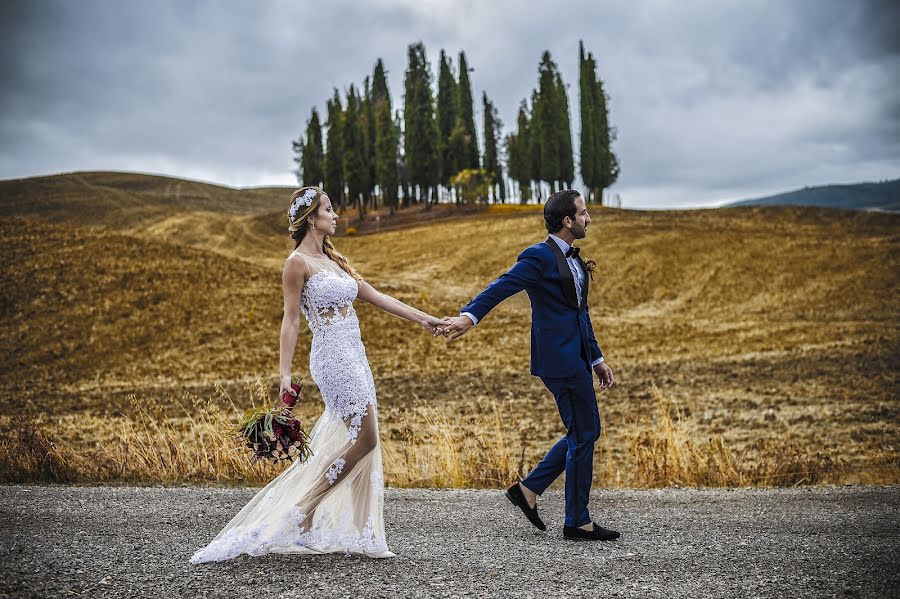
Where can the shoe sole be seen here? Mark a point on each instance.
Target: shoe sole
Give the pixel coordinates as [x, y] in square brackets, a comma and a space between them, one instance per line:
[567, 538]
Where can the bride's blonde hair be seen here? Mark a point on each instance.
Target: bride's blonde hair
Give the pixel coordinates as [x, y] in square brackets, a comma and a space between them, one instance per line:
[298, 228]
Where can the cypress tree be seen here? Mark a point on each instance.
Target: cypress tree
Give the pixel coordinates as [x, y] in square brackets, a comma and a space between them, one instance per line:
[608, 165]
[380, 89]
[512, 158]
[298, 146]
[564, 129]
[586, 140]
[447, 114]
[599, 166]
[386, 154]
[312, 154]
[491, 132]
[386, 158]
[534, 146]
[420, 133]
[367, 124]
[402, 169]
[334, 159]
[466, 115]
[519, 147]
[498, 135]
[546, 117]
[457, 146]
[488, 133]
[355, 169]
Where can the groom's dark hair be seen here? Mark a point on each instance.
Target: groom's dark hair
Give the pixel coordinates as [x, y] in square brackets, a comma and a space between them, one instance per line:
[559, 205]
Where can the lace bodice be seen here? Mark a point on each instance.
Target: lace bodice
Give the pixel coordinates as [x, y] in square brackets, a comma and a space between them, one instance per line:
[328, 295]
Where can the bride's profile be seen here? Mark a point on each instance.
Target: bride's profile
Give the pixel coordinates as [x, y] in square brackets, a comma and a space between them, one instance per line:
[333, 502]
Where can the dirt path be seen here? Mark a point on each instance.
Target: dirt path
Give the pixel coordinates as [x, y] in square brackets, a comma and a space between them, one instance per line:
[125, 541]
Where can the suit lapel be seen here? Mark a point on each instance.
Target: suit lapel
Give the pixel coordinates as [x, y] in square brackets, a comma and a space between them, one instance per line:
[587, 281]
[565, 274]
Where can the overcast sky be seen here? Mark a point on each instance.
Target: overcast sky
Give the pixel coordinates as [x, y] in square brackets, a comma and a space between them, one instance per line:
[713, 100]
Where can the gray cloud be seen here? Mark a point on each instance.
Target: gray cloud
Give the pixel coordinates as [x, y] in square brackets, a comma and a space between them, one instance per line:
[712, 101]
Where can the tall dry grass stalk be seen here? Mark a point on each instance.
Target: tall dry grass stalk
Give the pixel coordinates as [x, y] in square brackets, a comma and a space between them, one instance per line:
[665, 452]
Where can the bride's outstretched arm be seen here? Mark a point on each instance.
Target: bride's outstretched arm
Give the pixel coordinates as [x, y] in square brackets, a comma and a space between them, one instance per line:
[392, 305]
[292, 280]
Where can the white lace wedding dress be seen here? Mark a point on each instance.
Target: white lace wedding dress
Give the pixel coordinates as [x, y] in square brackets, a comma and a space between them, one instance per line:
[334, 501]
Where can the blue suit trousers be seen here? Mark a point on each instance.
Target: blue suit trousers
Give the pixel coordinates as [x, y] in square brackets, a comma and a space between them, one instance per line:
[574, 453]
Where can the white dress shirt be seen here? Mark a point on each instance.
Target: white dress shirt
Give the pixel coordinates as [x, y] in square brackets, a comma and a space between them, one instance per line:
[577, 273]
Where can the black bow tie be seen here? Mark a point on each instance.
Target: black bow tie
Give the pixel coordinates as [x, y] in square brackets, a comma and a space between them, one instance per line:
[573, 252]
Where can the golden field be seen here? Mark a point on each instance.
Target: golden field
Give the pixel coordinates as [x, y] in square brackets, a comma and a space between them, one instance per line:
[752, 346]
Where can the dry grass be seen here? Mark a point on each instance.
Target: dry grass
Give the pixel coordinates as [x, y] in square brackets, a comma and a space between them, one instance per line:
[436, 449]
[153, 446]
[774, 331]
[148, 446]
[667, 452]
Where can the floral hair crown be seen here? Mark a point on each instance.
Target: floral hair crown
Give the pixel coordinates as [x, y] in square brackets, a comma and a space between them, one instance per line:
[302, 200]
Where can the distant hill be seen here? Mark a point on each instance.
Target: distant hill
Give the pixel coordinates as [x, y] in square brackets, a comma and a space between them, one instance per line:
[884, 195]
[121, 200]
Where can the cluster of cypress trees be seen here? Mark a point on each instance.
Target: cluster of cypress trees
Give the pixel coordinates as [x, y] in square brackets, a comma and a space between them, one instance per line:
[361, 146]
[372, 155]
[540, 150]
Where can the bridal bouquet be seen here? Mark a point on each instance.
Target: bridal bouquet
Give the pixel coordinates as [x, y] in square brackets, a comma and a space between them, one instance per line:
[274, 433]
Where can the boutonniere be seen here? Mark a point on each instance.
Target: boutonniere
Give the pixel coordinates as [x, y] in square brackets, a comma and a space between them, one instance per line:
[590, 266]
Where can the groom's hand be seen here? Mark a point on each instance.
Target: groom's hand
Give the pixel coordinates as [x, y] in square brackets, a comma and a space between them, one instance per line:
[457, 326]
[605, 374]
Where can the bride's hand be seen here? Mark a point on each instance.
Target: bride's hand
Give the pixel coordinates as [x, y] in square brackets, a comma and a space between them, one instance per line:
[434, 325]
[285, 386]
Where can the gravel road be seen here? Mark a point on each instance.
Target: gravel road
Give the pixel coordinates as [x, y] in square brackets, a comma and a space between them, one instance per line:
[136, 541]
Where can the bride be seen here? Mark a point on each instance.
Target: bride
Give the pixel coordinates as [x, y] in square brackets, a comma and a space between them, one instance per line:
[332, 502]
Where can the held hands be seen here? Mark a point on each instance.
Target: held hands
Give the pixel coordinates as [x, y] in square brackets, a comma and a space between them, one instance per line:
[435, 325]
[456, 326]
[605, 374]
[451, 327]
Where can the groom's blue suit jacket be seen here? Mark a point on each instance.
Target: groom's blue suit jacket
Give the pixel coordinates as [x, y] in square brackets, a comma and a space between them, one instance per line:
[562, 335]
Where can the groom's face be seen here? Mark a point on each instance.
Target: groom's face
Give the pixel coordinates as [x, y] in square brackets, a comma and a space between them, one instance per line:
[582, 219]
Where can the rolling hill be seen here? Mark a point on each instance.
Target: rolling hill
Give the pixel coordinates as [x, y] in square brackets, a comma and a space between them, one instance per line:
[119, 200]
[884, 195]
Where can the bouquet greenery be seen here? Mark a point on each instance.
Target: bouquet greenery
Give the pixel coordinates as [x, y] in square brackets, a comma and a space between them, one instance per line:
[274, 433]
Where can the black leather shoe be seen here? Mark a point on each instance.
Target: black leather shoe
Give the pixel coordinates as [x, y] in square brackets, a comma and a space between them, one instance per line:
[515, 495]
[599, 533]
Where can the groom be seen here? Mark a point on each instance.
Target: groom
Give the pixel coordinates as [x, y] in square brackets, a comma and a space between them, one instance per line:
[563, 352]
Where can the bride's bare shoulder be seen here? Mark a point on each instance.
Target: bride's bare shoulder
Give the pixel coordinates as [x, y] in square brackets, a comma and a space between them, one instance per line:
[295, 264]
[297, 256]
